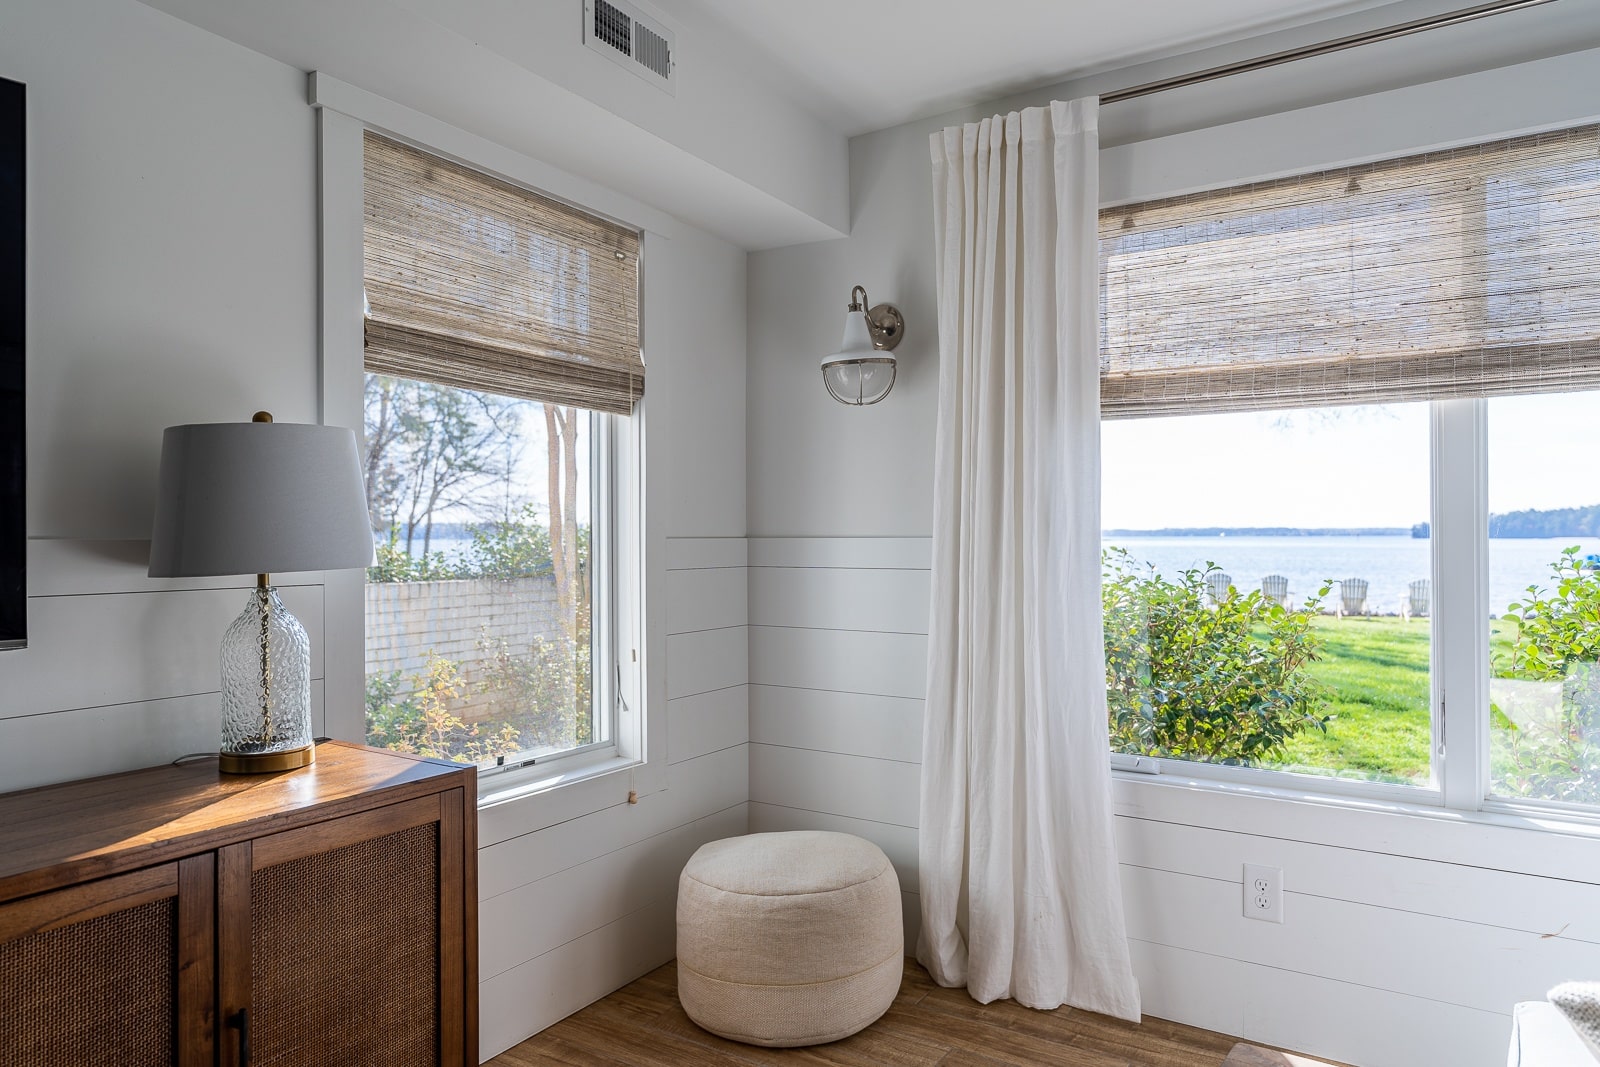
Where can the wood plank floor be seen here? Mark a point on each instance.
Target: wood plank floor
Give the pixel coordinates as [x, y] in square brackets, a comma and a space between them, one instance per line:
[642, 1025]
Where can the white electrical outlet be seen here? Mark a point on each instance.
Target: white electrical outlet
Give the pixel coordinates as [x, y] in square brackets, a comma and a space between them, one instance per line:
[1263, 893]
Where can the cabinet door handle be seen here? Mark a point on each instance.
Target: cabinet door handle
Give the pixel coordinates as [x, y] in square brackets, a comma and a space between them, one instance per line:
[240, 1021]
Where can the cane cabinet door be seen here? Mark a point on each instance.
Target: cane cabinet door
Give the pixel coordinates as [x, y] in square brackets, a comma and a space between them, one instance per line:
[341, 941]
[110, 973]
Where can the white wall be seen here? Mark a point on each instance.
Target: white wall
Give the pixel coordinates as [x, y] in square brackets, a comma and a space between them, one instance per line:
[838, 648]
[173, 277]
[1407, 936]
[819, 468]
[581, 900]
[726, 152]
[578, 888]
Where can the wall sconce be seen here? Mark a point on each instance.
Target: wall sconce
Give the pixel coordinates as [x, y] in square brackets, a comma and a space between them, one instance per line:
[859, 373]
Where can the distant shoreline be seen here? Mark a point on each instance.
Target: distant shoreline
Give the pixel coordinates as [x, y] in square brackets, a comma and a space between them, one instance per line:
[1532, 523]
[1419, 532]
[1265, 531]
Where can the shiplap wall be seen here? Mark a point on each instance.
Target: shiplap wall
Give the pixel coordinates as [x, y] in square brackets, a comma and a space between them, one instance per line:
[141, 271]
[1384, 959]
[571, 910]
[122, 670]
[123, 665]
[838, 651]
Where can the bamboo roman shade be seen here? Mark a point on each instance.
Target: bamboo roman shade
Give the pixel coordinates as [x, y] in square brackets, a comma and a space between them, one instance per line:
[477, 283]
[1469, 272]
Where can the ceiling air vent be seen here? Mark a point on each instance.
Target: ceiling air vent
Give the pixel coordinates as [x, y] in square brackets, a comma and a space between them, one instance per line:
[624, 34]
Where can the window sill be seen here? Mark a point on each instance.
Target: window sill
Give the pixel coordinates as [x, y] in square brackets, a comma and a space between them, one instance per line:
[535, 780]
[1556, 845]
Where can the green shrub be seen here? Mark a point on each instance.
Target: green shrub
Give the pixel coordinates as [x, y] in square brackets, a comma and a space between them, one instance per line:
[392, 563]
[546, 691]
[1557, 639]
[519, 548]
[1186, 679]
[425, 723]
[389, 712]
[1556, 628]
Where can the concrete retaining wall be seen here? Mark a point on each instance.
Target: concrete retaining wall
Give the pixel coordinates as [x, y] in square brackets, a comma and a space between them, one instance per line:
[409, 622]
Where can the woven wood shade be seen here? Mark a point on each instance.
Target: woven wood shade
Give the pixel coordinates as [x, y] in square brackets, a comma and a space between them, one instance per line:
[1469, 272]
[476, 283]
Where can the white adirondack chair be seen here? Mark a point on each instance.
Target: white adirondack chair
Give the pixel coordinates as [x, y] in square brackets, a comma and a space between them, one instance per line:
[1352, 597]
[1418, 594]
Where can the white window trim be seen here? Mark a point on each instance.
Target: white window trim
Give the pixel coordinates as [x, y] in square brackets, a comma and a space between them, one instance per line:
[615, 687]
[1517, 842]
[1460, 541]
[588, 781]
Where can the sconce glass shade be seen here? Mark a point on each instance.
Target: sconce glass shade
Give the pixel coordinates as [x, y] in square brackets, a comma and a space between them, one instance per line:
[255, 498]
[859, 373]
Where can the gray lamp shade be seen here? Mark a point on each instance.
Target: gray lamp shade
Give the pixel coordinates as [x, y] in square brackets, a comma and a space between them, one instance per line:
[258, 498]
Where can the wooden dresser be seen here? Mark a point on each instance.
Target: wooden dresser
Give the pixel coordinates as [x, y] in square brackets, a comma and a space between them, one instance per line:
[176, 915]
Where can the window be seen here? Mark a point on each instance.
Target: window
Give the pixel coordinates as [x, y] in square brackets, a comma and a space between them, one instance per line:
[1544, 598]
[503, 364]
[1346, 531]
[1259, 573]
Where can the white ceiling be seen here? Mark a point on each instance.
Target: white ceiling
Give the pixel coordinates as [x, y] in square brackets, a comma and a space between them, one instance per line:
[869, 64]
[753, 147]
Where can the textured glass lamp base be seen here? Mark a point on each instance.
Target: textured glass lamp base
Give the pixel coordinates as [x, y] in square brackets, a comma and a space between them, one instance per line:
[266, 689]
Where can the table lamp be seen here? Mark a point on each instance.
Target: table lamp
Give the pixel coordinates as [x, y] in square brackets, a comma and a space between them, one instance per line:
[256, 498]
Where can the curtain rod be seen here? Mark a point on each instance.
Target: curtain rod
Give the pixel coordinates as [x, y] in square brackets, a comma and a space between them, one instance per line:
[1355, 40]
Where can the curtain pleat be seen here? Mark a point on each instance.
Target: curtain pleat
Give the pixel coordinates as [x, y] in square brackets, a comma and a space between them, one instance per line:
[1019, 884]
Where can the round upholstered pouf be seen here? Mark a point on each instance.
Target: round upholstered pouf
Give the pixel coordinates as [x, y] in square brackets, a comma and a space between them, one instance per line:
[788, 939]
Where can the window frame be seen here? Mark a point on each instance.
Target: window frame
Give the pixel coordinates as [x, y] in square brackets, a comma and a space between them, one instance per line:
[461, 375]
[603, 567]
[520, 799]
[1431, 795]
[1460, 666]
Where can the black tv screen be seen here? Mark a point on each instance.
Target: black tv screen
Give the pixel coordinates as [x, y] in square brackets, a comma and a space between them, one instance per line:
[13, 525]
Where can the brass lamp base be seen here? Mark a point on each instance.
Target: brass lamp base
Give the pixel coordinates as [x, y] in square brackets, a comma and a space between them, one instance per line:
[266, 762]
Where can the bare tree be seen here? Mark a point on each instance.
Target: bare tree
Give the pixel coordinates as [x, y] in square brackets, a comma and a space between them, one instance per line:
[381, 430]
[431, 448]
[572, 591]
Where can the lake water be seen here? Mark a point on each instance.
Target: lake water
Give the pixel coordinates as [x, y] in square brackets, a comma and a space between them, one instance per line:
[1389, 564]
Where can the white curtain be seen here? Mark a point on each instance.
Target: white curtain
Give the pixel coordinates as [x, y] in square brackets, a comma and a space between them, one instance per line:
[1019, 884]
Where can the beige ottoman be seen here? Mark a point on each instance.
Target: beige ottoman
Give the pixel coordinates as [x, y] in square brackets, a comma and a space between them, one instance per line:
[788, 939]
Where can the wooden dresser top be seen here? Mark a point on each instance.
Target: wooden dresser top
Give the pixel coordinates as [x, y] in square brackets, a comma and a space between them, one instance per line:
[100, 826]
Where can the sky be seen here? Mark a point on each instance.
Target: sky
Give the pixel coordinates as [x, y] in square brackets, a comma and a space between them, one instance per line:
[1338, 467]
[1329, 467]
[530, 480]
[532, 473]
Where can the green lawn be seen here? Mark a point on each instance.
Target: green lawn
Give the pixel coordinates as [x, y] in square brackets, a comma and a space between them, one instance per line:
[1375, 674]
